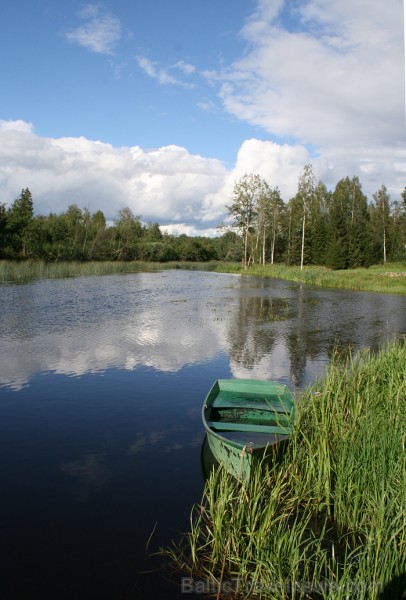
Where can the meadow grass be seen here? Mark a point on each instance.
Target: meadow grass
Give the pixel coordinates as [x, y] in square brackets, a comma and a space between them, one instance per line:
[329, 520]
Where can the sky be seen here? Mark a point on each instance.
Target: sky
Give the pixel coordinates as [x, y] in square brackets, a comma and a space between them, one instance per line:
[161, 106]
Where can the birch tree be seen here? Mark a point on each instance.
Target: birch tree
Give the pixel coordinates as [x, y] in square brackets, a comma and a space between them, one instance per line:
[382, 209]
[306, 187]
[244, 208]
[276, 212]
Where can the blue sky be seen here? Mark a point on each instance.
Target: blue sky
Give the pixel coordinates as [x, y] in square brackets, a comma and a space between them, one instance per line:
[161, 106]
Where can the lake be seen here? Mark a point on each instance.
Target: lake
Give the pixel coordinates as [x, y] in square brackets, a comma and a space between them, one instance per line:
[102, 380]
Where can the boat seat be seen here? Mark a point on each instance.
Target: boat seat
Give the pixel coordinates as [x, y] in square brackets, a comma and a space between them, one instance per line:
[227, 426]
[261, 404]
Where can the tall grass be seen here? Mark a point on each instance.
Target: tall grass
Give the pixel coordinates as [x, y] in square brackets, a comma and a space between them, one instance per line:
[21, 272]
[390, 278]
[24, 271]
[330, 520]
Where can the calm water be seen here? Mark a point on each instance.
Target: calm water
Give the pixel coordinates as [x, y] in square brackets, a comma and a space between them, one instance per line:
[101, 386]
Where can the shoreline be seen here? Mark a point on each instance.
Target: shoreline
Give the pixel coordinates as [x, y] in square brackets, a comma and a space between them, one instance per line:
[386, 279]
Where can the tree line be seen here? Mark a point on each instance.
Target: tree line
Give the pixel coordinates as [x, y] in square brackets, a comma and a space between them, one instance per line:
[79, 235]
[339, 229]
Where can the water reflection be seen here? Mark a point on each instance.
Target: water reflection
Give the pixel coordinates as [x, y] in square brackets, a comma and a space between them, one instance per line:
[101, 386]
[268, 329]
[90, 474]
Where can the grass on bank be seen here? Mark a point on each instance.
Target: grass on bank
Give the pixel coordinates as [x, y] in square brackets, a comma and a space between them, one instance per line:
[389, 278]
[329, 522]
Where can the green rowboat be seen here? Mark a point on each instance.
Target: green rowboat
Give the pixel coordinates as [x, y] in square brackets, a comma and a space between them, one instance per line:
[247, 420]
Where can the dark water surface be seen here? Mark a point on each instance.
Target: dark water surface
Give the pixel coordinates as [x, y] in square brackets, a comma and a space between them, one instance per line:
[102, 380]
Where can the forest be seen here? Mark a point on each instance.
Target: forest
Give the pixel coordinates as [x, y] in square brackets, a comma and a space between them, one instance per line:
[340, 229]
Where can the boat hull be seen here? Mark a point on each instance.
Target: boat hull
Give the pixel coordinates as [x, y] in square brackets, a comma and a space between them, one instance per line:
[247, 422]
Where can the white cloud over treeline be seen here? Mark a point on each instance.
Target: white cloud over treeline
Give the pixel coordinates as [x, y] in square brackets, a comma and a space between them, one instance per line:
[168, 185]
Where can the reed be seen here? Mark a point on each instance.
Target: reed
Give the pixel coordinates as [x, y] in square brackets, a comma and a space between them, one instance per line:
[327, 522]
[29, 270]
[24, 271]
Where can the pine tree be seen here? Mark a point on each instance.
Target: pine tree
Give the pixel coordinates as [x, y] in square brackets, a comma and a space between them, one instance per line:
[358, 226]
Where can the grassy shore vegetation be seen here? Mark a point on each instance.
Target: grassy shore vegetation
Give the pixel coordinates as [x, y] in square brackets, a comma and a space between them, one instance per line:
[329, 521]
[12, 271]
[24, 271]
[389, 278]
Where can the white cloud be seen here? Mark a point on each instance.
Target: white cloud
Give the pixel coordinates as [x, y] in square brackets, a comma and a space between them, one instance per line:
[189, 230]
[150, 69]
[17, 125]
[280, 165]
[166, 185]
[324, 79]
[336, 79]
[328, 77]
[185, 67]
[163, 76]
[100, 32]
[330, 74]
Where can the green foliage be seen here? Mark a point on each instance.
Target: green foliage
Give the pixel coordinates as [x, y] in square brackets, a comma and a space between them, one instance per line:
[159, 251]
[348, 226]
[229, 247]
[3, 229]
[245, 207]
[19, 218]
[257, 211]
[293, 228]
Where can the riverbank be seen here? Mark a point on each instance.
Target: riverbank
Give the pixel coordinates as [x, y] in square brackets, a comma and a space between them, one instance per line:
[389, 278]
[329, 521]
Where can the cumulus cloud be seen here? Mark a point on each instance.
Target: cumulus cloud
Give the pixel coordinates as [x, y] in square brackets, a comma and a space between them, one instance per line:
[279, 164]
[100, 31]
[17, 125]
[322, 72]
[184, 193]
[167, 185]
